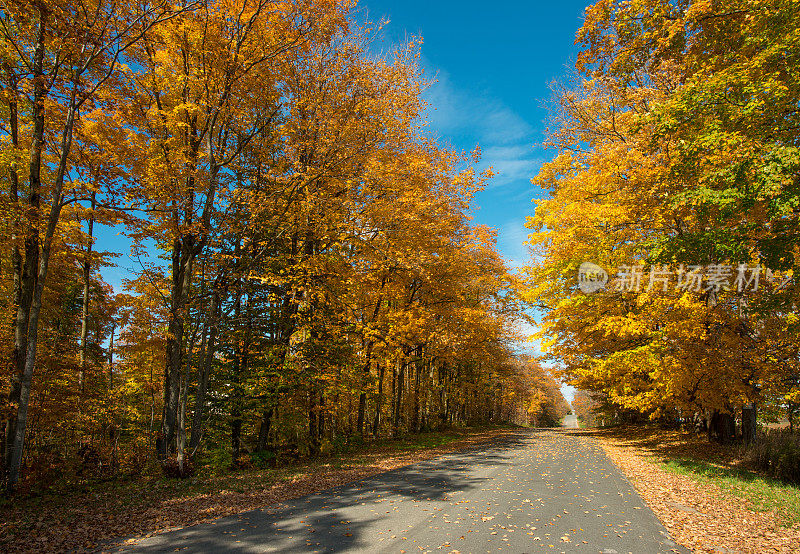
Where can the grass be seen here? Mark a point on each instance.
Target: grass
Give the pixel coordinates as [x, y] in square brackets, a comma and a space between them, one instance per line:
[358, 453]
[429, 440]
[693, 456]
[212, 477]
[762, 493]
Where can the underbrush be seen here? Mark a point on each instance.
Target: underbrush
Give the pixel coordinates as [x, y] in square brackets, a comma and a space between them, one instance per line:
[776, 454]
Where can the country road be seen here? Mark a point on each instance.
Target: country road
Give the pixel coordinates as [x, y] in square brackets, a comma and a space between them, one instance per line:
[570, 421]
[532, 491]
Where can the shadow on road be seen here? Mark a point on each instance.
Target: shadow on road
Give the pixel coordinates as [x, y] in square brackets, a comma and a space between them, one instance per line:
[337, 519]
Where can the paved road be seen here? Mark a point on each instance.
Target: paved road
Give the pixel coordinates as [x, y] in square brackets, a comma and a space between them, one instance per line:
[536, 491]
[570, 421]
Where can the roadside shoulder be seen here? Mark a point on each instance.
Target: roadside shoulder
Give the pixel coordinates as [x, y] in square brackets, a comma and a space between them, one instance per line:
[699, 515]
[104, 517]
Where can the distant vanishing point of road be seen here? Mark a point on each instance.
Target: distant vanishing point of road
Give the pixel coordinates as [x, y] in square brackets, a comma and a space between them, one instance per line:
[534, 490]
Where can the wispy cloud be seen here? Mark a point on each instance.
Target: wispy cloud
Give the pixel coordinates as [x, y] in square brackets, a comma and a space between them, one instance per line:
[512, 163]
[501, 125]
[510, 241]
[473, 113]
[504, 136]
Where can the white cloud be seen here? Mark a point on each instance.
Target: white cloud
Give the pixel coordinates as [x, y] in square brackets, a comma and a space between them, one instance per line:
[476, 114]
[512, 163]
[501, 125]
[510, 238]
[513, 151]
[505, 138]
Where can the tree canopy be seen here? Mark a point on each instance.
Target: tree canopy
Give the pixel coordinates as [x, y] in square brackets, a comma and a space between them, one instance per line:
[677, 172]
[319, 280]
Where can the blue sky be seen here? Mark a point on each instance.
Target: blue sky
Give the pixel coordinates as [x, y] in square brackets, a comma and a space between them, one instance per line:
[494, 64]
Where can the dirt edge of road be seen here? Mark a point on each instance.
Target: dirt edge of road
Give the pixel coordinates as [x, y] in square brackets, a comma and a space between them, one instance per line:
[698, 516]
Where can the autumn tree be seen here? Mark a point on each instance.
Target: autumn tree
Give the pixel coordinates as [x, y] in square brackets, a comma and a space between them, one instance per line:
[57, 58]
[659, 165]
[308, 274]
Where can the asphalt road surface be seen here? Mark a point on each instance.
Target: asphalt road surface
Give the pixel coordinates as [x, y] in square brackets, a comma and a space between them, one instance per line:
[570, 421]
[535, 491]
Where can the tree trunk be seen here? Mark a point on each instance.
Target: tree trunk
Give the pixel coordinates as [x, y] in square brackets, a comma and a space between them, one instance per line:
[21, 298]
[376, 422]
[208, 351]
[87, 273]
[429, 381]
[749, 423]
[444, 397]
[36, 280]
[362, 410]
[263, 431]
[415, 424]
[398, 406]
[111, 358]
[722, 427]
[314, 415]
[362, 397]
[181, 438]
[181, 274]
[322, 422]
[241, 364]
[185, 249]
[236, 436]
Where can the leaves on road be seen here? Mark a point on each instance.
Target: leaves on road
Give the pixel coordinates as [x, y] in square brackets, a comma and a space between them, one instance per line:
[700, 516]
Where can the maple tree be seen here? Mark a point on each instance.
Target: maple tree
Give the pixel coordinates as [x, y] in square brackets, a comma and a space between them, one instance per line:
[316, 280]
[675, 150]
[57, 58]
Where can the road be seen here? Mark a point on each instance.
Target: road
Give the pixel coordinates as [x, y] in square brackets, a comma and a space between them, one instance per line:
[534, 491]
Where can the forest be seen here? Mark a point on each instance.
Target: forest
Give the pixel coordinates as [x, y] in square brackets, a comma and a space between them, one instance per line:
[306, 272]
[677, 172]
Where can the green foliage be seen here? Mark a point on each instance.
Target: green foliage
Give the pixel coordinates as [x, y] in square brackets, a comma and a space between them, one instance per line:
[263, 459]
